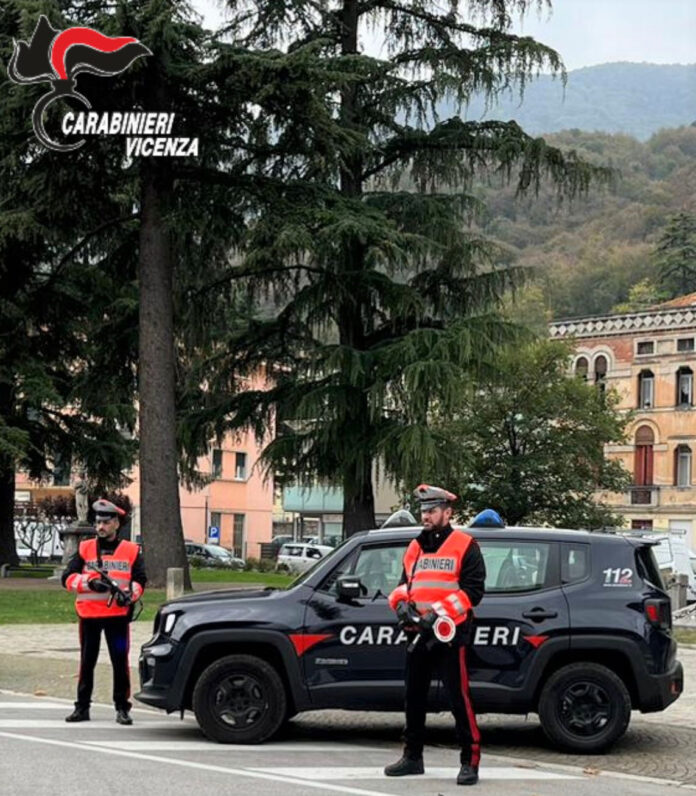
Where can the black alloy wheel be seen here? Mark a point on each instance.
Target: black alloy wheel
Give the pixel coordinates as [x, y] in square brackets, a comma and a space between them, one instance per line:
[240, 699]
[584, 707]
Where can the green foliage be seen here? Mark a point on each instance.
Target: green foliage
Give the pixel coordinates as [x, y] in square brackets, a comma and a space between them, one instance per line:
[587, 255]
[66, 358]
[675, 254]
[252, 564]
[530, 443]
[642, 296]
[378, 298]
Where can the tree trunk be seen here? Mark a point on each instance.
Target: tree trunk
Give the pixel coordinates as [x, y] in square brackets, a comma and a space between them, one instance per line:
[358, 495]
[160, 513]
[8, 548]
[358, 498]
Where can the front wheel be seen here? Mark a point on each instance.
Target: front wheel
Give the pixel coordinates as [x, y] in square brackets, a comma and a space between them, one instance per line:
[584, 707]
[239, 699]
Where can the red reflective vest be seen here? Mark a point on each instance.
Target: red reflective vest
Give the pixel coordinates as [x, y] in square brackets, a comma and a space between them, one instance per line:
[118, 565]
[432, 579]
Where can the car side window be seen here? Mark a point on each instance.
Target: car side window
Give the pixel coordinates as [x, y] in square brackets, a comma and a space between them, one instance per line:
[312, 552]
[379, 568]
[575, 562]
[516, 566]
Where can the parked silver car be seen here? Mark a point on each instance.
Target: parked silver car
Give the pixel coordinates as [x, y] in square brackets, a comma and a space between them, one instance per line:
[213, 554]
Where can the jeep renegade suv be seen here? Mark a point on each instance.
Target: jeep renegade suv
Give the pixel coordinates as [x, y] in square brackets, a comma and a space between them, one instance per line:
[574, 626]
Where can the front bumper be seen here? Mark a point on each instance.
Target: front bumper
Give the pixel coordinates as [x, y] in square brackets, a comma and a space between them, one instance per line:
[157, 666]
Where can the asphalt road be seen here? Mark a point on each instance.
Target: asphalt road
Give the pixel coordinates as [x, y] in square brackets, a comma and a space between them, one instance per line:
[41, 754]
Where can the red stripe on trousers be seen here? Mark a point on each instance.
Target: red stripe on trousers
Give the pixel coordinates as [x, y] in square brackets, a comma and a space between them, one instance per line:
[128, 661]
[473, 726]
[79, 668]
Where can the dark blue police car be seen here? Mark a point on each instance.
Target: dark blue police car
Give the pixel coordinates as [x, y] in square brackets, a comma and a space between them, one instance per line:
[575, 626]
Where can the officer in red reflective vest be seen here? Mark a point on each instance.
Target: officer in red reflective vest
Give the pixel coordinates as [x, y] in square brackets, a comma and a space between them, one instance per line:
[443, 580]
[123, 563]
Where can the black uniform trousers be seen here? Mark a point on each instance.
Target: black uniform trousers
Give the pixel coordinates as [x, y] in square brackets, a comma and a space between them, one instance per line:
[117, 633]
[449, 661]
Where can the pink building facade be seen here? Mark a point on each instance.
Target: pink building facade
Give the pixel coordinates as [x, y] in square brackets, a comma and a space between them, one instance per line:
[238, 501]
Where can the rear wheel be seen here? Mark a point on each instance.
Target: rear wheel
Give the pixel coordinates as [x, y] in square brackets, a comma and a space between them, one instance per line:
[240, 699]
[584, 707]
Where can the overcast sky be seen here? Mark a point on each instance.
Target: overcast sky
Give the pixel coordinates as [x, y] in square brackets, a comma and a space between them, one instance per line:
[588, 32]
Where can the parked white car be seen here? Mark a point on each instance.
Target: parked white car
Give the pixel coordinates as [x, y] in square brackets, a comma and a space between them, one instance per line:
[300, 556]
[673, 554]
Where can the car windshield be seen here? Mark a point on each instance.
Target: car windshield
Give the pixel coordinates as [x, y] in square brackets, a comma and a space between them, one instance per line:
[302, 577]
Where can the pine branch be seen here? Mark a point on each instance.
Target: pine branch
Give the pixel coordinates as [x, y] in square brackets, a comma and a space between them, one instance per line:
[244, 273]
[65, 259]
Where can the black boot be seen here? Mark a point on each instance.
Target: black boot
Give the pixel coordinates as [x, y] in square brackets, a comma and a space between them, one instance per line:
[123, 717]
[79, 714]
[405, 766]
[468, 775]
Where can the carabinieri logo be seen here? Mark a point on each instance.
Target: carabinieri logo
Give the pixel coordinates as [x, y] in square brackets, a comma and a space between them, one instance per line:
[57, 57]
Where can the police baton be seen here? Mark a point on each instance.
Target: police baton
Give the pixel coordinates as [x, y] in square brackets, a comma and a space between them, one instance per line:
[444, 631]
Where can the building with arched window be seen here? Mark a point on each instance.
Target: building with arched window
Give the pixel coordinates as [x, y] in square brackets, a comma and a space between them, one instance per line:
[649, 358]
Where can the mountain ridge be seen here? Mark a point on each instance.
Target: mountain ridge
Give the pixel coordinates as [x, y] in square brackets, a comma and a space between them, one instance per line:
[636, 98]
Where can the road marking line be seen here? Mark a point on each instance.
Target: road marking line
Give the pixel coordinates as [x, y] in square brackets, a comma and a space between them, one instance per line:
[31, 706]
[147, 711]
[322, 774]
[212, 746]
[240, 772]
[60, 724]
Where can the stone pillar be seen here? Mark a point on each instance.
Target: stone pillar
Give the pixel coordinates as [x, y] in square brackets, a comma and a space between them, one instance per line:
[72, 536]
[175, 583]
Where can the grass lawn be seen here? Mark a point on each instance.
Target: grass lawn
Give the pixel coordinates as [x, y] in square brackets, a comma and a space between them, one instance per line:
[685, 635]
[278, 579]
[29, 606]
[36, 606]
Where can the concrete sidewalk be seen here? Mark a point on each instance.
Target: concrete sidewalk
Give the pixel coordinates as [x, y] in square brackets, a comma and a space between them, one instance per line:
[44, 658]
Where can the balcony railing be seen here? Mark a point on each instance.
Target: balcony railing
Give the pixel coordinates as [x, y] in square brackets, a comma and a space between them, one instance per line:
[644, 495]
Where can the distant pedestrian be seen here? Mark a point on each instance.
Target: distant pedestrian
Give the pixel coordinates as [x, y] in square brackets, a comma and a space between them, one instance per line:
[100, 609]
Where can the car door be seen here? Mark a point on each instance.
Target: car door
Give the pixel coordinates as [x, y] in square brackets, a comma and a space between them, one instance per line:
[359, 657]
[523, 615]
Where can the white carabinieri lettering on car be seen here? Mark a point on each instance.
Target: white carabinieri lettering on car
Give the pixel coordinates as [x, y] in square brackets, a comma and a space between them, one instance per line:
[375, 635]
[496, 636]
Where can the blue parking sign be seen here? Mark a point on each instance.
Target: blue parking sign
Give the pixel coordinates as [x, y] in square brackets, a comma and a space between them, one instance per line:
[213, 534]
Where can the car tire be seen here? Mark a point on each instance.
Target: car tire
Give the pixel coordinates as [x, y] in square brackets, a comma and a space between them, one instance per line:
[584, 707]
[240, 699]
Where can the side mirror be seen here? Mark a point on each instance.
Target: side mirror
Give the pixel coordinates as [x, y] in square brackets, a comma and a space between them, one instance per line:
[349, 587]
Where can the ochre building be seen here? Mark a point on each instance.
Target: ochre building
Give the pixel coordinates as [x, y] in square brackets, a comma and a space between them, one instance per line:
[649, 358]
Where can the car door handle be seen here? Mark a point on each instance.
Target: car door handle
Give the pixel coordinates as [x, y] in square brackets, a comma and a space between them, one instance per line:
[537, 614]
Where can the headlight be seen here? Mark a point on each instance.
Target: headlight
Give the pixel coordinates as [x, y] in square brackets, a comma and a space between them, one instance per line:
[169, 622]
